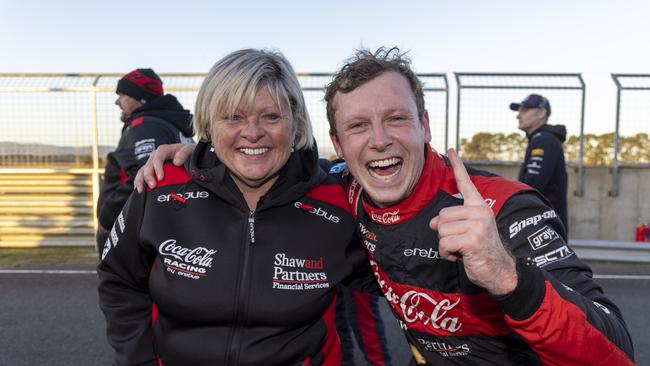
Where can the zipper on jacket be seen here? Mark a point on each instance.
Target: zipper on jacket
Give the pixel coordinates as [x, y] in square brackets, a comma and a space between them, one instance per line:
[241, 301]
[251, 226]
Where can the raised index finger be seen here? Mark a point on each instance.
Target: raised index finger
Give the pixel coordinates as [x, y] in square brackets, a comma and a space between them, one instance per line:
[465, 186]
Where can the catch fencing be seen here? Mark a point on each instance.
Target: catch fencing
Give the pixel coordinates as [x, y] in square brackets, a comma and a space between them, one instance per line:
[632, 117]
[483, 101]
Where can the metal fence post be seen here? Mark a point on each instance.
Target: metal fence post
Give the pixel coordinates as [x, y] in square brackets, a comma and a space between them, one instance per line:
[613, 192]
[458, 88]
[581, 162]
[95, 148]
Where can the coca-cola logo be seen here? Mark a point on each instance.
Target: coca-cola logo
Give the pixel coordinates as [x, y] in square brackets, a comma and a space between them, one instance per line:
[198, 256]
[418, 307]
[410, 304]
[386, 217]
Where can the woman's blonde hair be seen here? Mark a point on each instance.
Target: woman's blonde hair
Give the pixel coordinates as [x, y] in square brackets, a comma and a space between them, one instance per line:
[236, 78]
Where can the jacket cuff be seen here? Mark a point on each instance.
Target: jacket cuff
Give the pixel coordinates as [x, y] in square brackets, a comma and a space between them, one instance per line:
[527, 297]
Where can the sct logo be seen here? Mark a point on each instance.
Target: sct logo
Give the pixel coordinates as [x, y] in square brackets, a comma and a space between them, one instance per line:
[186, 196]
[317, 211]
[542, 237]
[556, 255]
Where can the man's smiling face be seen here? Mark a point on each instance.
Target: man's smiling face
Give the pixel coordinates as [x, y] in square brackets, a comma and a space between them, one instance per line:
[379, 134]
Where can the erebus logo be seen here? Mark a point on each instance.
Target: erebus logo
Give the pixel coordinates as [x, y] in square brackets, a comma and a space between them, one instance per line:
[422, 252]
[184, 195]
[317, 211]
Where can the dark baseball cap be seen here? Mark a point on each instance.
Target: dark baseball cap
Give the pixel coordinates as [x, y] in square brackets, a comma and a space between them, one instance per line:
[533, 101]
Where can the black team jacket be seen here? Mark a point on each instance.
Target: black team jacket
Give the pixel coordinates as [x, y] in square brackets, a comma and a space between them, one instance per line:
[160, 121]
[191, 276]
[544, 167]
[557, 315]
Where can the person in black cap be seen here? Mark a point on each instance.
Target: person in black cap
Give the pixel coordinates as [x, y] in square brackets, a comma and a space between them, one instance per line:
[150, 118]
[544, 167]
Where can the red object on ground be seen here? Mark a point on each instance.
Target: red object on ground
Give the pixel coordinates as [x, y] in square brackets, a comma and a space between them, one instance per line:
[642, 232]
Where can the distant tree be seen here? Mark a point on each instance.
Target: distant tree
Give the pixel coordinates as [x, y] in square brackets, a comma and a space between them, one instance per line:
[494, 146]
[635, 149]
[598, 149]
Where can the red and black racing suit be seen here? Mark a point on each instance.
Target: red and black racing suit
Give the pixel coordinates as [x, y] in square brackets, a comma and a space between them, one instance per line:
[557, 315]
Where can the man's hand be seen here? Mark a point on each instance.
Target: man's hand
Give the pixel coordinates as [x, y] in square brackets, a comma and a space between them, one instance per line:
[153, 170]
[102, 230]
[469, 233]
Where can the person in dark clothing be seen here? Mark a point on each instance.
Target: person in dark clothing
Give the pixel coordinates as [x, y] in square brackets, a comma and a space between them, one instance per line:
[150, 119]
[235, 259]
[544, 167]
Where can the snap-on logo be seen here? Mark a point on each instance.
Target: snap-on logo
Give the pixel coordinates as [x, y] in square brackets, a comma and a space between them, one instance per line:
[182, 196]
[317, 211]
[516, 227]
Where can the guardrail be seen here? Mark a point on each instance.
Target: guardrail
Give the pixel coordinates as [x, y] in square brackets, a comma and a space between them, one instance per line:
[611, 251]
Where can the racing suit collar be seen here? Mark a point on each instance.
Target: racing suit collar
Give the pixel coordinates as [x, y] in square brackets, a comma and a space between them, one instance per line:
[427, 186]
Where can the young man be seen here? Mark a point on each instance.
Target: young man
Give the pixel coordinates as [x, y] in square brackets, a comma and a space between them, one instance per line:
[493, 281]
[476, 267]
[150, 119]
[543, 168]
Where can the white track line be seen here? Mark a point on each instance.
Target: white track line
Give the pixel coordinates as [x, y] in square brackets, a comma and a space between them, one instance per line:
[46, 271]
[622, 277]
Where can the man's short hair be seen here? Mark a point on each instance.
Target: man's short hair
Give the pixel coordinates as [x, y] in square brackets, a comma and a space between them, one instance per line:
[236, 79]
[365, 66]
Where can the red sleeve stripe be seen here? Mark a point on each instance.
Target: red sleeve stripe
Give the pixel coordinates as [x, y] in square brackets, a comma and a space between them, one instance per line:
[332, 348]
[495, 190]
[440, 313]
[123, 176]
[173, 175]
[367, 320]
[560, 334]
[137, 121]
[333, 194]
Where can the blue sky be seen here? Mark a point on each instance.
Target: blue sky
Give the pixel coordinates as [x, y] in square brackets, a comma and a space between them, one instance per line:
[460, 35]
[593, 37]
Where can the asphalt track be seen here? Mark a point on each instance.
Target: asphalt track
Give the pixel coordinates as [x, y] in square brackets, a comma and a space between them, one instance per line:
[53, 318]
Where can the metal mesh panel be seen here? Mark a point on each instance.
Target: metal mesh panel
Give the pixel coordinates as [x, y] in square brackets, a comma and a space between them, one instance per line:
[44, 121]
[484, 108]
[436, 100]
[633, 118]
[47, 120]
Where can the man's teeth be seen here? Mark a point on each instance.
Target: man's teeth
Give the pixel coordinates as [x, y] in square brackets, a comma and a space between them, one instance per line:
[255, 151]
[384, 163]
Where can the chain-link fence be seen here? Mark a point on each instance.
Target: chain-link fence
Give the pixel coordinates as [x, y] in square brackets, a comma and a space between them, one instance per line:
[49, 120]
[630, 142]
[487, 128]
[436, 97]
